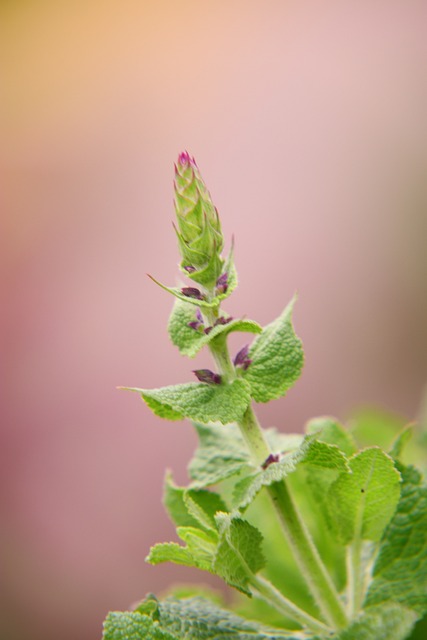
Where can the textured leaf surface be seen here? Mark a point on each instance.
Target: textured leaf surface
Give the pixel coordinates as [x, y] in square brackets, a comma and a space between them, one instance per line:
[277, 359]
[221, 453]
[203, 506]
[361, 503]
[400, 572]
[202, 402]
[239, 551]
[390, 622]
[329, 430]
[311, 452]
[173, 499]
[189, 619]
[190, 341]
[171, 552]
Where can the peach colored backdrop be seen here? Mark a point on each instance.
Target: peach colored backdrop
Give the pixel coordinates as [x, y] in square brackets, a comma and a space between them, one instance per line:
[308, 122]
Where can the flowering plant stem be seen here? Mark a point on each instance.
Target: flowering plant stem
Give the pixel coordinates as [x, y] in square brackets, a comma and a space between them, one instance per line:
[364, 576]
[297, 535]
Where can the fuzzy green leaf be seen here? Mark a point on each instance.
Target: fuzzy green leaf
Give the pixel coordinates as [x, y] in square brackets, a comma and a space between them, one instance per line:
[190, 341]
[171, 552]
[361, 503]
[329, 430]
[400, 572]
[239, 553]
[173, 499]
[277, 359]
[203, 506]
[200, 544]
[389, 622]
[221, 454]
[205, 403]
[190, 618]
[401, 441]
[312, 452]
[191, 507]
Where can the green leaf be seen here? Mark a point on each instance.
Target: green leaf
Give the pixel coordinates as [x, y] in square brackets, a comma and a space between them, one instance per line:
[190, 341]
[390, 622]
[311, 452]
[205, 302]
[171, 552]
[191, 507]
[361, 503]
[401, 441]
[200, 544]
[190, 619]
[329, 430]
[202, 402]
[239, 553]
[222, 453]
[203, 506]
[173, 499]
[400, 572]
[277, 359]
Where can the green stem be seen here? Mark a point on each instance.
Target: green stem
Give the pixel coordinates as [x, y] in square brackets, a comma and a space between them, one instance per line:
[312, 568]
[268, 592]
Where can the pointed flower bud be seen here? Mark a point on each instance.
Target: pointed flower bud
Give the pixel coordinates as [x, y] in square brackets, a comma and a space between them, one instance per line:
[192, 292]
[206, 375]
[273, 457]
[199, 230]
[197, 324]
[241, 359]
[222, 283]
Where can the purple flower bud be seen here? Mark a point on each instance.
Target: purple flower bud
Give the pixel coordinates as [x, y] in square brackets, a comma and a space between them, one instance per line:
[192, 292]
[222, 320]
[189, 268]
[199, 316]
[241, 356]
[186, 160]
[208, 376]
[208, 330]
[222, 283]
[273, 457]
[194, 325]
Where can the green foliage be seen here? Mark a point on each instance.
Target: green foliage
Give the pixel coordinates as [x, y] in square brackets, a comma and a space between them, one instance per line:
[189, 618]
[400, 572]
[325, 532]
[202, 402]
[277, 359]
[190, 341]
[362, 502]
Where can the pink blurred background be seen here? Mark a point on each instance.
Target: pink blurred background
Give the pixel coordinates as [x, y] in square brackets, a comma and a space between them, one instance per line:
[308, 123]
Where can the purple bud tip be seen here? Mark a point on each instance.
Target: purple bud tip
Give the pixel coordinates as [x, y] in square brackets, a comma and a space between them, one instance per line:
[222, 320]
[273, 457]
[192, 292]
[189, 268]
[241, 356]
[208, 330]
[208, 376]
[199, 316]
[185, 160]
[222, 283]
[194, 325]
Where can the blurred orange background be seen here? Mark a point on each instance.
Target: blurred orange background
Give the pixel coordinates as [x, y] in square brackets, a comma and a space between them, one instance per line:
[308, 123]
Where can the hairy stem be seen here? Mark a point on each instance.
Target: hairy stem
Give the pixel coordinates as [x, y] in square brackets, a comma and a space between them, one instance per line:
[312, 568]
[268, 592]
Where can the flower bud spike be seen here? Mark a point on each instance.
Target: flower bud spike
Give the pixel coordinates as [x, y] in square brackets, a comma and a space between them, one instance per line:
[199, 230]
[208, 376]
